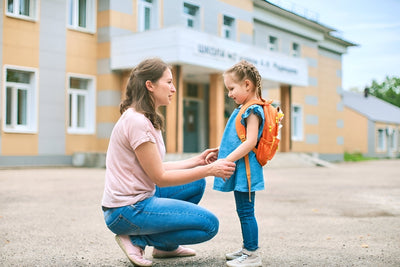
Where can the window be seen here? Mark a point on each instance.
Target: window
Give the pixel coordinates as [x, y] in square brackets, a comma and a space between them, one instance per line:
[81, 15]
[191, 15]
[392, 137]
[228, 28]
[81, 103]
[272, 43]
[20, 100]
[297, 123]
[147, 17]
[192, 90]
[295, 50]
[25, 9]
[381, 146]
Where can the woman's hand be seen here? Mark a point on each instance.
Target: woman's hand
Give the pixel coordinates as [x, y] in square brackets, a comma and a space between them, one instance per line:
[208, 156]
[223, 168]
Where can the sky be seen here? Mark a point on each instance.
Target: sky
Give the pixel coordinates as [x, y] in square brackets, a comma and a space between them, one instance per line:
[373, 25]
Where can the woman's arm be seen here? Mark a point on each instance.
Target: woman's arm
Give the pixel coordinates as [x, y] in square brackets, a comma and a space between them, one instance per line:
[190, 163]
[148, 156]
[251, 139]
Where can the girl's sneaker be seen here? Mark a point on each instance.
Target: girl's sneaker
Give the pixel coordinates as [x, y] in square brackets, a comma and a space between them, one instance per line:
[248, 259]
[234, 255]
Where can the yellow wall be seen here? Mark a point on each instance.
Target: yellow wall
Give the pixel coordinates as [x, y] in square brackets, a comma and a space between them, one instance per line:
[20, 42]
[19, 144]
[81, 58]
[112, 18]
[246, 5]
[355, 132]
[81, 53]
[328, 99]
[244, 27]
[20, 48]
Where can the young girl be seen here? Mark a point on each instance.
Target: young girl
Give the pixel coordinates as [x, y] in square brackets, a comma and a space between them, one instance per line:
[147, 202]
[243, 82]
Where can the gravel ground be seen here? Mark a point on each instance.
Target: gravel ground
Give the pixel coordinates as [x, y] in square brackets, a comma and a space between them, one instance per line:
[346, 215]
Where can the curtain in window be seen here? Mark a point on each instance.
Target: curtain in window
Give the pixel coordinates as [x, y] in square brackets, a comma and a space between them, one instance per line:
[22, 100]
[24, 7]
[82, 14]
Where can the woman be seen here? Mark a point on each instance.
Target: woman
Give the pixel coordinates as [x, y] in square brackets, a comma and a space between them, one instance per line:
[147, 202]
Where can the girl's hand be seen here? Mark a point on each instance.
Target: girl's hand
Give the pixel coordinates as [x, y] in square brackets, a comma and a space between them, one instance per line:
[208, 156]
[213, 156]
[223, 168]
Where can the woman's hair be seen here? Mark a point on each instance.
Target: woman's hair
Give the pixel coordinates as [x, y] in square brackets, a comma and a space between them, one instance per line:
[137, 95]
[244, 70]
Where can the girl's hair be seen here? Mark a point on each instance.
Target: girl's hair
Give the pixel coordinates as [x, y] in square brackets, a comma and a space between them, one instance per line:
[244, 70]
[137, 95]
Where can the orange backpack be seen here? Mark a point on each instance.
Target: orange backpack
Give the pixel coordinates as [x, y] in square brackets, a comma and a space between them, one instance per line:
[268, 143]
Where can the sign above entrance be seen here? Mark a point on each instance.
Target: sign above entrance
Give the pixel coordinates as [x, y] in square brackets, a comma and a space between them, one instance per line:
[185, 46]
[270, 66]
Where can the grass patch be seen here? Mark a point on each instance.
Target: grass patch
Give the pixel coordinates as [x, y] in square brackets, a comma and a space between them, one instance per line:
[356, 157]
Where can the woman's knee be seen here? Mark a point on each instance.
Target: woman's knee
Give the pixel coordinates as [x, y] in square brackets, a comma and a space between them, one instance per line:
[213, 225]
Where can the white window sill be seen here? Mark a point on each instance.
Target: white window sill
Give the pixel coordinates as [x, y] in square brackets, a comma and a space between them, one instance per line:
[12, 15]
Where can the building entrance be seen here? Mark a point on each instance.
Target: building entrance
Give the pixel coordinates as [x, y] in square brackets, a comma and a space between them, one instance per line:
[191, 130]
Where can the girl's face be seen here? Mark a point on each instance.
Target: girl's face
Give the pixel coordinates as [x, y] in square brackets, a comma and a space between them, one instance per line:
[240, 92]
[163, 89]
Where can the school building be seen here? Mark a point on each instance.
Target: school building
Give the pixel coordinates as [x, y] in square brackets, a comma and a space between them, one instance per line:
[65, 65]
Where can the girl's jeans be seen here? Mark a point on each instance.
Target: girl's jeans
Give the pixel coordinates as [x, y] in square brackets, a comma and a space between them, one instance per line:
[248, 222]
[166, 220]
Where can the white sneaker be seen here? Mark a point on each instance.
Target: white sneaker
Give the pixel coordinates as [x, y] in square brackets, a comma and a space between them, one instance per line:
[248, 259]
[234, 255]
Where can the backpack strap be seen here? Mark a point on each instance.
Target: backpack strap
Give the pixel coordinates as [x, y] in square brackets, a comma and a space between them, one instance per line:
[241, 132]
[248, 174]
[240, 129]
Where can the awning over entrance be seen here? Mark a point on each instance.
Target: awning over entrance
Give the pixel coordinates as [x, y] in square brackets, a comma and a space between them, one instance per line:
[202, 54]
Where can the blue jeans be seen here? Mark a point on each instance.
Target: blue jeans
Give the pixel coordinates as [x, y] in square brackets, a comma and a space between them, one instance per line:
[248, 222]
[168, 219]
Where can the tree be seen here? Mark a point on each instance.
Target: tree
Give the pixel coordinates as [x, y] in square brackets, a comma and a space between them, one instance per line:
[388, 90]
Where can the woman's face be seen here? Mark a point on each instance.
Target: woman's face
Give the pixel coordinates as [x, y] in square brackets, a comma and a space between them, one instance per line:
[163, 89]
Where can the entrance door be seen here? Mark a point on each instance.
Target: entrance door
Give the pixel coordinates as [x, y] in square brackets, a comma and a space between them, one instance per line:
[191, 131]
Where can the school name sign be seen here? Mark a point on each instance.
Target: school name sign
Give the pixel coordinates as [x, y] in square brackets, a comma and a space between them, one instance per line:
[270, 65]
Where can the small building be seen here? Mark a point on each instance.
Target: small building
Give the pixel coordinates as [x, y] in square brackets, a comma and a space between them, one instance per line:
[372, 126]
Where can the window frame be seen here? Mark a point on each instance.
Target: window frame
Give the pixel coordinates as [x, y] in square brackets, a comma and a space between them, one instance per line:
[381, 140]
[392, 138]
[228, 28]
[31, 101]
[142, 5]
[33, 10]
[90, 105]
[195, 18]
[273, 46]
[299, 134]
[73, 16]
[295, 52]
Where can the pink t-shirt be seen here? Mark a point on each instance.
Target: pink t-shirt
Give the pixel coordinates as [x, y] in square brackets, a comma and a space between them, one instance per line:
[125, 181]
